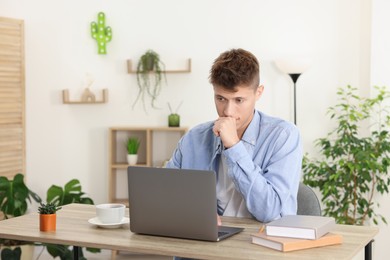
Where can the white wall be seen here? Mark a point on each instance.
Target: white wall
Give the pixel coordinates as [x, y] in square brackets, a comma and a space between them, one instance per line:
[70, 141]
[380, 56]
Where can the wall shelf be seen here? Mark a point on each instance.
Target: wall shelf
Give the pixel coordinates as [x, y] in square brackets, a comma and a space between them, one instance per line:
[86, 98]
[130, 69]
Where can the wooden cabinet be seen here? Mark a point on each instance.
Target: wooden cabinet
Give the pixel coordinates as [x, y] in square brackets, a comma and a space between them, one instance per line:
[156, 147]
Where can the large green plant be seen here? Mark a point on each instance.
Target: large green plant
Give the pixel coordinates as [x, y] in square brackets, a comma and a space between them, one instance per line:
[70, 193]
[15, 196]
[150, 72]
[355, 158]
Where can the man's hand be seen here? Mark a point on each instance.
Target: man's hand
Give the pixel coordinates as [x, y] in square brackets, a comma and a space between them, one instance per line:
[219, 221]
[225, 127]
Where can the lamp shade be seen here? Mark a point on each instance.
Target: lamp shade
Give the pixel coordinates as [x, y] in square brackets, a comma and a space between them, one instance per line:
[293, 66]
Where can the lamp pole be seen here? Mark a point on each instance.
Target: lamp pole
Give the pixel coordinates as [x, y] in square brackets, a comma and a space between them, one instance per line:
[294, 77]
[294, 68]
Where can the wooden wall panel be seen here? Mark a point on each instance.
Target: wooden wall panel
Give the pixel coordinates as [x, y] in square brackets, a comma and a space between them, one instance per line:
[12, 98]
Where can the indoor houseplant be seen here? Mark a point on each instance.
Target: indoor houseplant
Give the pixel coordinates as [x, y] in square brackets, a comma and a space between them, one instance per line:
[48, 216]
[14, 199]
[15, 196]
[58, 196]
[355, 158]
[132, 146]
[174, 117]
[150, 72]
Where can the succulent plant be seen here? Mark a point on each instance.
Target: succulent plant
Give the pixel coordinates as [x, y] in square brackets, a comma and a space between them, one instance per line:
[49, 208]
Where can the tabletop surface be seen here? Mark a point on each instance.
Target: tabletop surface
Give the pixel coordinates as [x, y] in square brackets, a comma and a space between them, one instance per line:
[73, 228]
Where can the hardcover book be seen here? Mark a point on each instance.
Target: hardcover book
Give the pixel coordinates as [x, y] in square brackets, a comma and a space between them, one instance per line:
[286, 244]
[299, 226]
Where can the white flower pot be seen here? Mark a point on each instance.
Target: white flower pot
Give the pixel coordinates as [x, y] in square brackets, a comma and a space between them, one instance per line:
[132, 159]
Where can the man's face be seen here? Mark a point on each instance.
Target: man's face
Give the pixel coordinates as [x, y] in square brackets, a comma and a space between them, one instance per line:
[238, 104]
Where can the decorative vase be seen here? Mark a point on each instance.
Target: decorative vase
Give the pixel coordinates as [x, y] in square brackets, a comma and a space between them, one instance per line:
[47, 222]
[174, 120]
[132, 159]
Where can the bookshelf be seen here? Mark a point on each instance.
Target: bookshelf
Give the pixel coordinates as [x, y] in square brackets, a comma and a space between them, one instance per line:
[156, 147]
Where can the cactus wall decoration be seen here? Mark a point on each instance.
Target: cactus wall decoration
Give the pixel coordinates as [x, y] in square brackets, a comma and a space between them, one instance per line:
[101, 33]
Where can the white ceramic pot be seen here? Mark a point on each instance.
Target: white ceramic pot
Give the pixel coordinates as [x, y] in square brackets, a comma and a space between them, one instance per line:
[132, 159]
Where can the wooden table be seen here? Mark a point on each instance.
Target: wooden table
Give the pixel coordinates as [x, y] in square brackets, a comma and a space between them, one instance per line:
[73, 229]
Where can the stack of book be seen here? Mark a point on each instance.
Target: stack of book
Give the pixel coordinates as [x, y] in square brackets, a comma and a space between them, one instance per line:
[296, 232]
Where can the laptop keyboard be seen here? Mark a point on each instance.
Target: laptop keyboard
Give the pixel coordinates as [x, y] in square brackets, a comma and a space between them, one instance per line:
[222, 233]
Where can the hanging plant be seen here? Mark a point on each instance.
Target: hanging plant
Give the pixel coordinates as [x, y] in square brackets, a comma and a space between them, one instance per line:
[150, 72]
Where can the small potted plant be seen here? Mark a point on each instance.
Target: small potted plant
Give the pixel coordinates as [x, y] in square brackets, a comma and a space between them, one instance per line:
[150, 71]
[71, 192]
[48, 216]
[132, 146]
[174, 117]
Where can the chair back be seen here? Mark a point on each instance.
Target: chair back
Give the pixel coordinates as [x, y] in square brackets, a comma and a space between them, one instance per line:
[308, 203]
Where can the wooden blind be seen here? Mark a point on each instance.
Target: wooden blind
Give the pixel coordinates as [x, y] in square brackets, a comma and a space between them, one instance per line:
[12, 97]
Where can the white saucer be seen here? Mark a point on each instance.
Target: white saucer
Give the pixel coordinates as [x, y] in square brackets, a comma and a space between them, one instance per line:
[95, 221]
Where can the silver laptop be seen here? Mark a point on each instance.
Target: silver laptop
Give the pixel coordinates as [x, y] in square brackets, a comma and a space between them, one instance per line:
[175, 203]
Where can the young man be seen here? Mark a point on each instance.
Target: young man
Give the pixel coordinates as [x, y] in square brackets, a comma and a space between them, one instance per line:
[257, 158]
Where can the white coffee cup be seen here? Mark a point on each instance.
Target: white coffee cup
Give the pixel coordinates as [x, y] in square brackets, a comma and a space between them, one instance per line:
[110, 213]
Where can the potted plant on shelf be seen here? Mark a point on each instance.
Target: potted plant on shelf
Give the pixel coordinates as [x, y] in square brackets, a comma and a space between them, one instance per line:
[174, 117]
[132, 146]
[150, 72]
[48, 216]
[354, 167]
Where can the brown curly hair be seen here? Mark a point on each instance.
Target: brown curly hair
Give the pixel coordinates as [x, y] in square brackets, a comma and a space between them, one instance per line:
[235, 67]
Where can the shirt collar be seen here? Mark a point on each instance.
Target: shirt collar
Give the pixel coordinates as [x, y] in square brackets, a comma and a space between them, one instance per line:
[252, 131]
[250, 135]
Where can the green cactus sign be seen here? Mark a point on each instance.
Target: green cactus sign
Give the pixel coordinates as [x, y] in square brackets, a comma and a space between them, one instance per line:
[101, 33]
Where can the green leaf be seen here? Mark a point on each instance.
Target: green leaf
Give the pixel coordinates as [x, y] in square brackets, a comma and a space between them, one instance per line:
[71, 193]
[9, 254]
[15, 196]
[55, 195]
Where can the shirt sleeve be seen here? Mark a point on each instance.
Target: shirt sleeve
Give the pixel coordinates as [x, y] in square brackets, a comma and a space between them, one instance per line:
[175, 161]
[268, 176]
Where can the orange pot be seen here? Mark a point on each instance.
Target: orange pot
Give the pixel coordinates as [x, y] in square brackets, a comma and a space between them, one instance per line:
[47, 222]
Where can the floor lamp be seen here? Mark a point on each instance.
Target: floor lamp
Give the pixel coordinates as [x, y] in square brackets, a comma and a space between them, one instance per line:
[294, 68]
